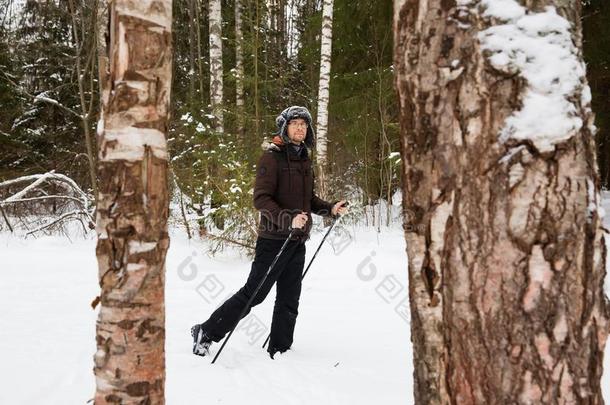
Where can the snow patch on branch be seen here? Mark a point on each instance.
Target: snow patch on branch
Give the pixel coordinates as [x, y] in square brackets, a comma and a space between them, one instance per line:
[539, 48]
[46, 99]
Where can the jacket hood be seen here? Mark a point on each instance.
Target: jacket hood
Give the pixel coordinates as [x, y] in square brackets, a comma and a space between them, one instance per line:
[277, 143]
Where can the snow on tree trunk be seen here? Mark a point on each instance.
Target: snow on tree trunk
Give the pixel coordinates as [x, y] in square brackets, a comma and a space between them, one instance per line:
[133, 204]
[501, 203]
[239, 68]
[323, 92]
[215, 21]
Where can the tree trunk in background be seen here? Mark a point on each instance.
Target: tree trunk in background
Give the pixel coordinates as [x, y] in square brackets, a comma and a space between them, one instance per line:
[239, 69]
[192, 48]
[294, 10]
[270, 66]
[596, 29]
[271, 44]
[276, 64]
[133, 204]
[323, 94]
[504, 238]
[215, 18]
[198, 12]
[257, 114]
[282, 30]
[81, 72]
[101, 34]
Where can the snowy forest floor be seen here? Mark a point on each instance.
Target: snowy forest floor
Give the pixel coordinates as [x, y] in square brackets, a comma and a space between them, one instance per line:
[352, 341]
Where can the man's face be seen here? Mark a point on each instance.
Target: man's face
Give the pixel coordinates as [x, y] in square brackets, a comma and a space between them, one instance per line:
[297, 130]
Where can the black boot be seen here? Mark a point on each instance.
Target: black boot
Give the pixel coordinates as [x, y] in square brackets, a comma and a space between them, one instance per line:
[273, 350]
[201, 341]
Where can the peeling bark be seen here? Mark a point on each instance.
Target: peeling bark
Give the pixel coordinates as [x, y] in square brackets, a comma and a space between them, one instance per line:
[129, 364]
[504, 238]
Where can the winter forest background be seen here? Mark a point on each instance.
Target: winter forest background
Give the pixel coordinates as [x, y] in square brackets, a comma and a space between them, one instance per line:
[46, 46]
[48, 114]
[236, 65]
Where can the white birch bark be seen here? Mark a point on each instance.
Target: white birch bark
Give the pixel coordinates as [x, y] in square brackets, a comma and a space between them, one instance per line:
[294, 11]
[323, 97]
[102, 51]
[324, 86]
[129, 363]
[216, 81]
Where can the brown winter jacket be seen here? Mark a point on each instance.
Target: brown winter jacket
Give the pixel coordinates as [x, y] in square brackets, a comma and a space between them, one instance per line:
[284, 188]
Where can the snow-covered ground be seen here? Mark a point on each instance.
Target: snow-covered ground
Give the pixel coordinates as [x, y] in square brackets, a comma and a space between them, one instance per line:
[352, 343]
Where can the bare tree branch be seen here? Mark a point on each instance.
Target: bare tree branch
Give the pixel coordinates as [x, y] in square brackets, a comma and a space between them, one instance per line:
[28, 188]
[62, 217]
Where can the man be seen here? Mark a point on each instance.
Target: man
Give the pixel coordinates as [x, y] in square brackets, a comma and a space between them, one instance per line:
[284, 195]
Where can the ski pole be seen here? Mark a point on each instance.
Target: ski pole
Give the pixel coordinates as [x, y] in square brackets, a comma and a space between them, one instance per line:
[311, 261]
[260, 284]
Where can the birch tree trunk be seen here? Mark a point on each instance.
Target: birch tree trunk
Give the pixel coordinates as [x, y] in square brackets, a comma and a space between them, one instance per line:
[216, 84]
[239, 68]
[323, 93]
[272, 8]
[101, 34]
[501, 203]
[294, 10]
[133, 204]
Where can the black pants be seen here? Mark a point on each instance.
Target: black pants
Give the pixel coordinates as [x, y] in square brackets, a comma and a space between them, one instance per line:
[287, 272]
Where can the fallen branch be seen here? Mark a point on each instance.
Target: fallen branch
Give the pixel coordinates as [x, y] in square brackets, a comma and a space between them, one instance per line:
[38, 179]
[32, 186]
[41, 196]
[46, 197]
[61, 218]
